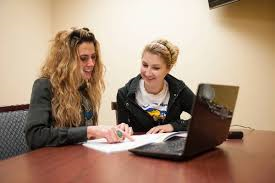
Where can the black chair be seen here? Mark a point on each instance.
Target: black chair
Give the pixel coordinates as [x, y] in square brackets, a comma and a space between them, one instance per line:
[114, 107]
[12, 138]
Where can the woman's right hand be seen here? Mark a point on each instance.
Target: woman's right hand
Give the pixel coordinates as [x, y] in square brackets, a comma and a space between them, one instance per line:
[111, 134]
[126, 128]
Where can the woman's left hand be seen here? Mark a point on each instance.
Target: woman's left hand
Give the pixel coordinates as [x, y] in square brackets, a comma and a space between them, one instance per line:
[161, 129]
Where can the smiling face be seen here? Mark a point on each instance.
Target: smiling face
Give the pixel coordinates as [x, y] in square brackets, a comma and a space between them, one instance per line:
[87, 59]
[153, 70]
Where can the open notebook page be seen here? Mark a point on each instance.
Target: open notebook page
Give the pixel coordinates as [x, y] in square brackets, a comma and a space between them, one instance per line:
[139, 140]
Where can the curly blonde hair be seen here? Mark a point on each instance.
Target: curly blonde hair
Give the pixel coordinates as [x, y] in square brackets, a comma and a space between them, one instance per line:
[63, 70]
[165, 50]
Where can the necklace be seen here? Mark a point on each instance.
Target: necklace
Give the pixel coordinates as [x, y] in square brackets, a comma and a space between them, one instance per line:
[88, 114]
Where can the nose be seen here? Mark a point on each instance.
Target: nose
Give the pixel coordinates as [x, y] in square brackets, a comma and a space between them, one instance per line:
[91, 62]
[148, 72]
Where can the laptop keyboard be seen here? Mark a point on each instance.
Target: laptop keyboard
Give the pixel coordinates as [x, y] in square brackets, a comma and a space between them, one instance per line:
[171, 146]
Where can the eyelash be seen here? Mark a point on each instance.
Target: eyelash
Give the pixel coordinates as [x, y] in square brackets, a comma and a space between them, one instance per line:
[86, 58]
[155, 68]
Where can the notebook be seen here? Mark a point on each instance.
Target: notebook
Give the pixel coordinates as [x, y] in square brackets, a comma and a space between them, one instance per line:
[212, 113]
[139, 140]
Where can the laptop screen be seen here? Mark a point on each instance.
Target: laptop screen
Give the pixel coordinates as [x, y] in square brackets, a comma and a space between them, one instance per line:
[211, 117]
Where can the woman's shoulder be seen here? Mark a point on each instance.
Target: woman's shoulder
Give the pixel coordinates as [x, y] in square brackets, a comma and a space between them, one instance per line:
[42, 82]
[174, 81]
[176, 85]
[133, 82]
[41, 90]
[42, 85]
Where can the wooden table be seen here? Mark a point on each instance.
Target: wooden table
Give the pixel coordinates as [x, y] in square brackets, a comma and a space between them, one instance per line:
[249, 160]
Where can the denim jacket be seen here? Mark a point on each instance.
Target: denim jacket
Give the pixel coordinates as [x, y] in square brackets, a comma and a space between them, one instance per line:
[181, 99]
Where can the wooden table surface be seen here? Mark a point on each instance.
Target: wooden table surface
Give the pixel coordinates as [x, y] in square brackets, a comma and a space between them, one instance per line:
[249, 160]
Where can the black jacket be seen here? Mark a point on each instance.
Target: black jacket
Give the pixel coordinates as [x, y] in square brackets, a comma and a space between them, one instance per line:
[181, 99]
[39, 128]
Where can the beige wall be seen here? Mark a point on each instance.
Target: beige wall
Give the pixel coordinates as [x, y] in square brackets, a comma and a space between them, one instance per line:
[24, 33]
[234, 44]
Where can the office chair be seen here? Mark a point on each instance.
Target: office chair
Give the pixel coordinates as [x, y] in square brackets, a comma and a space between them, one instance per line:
[114, 107]
[12, 138]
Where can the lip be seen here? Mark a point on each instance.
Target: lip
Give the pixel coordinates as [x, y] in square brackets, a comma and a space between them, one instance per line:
[87, 69]
[148, 78]
[87, 75]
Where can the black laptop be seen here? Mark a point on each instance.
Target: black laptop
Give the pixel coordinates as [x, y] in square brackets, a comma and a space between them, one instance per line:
[209, 126]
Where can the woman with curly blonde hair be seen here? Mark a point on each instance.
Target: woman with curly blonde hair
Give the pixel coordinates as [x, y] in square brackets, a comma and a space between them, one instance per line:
[153, 101]
[66, 98]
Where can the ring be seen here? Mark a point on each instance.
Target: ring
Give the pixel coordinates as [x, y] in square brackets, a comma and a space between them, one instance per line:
[119, 134]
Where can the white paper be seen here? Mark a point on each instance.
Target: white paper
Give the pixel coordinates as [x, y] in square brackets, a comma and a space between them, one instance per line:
[139, 140]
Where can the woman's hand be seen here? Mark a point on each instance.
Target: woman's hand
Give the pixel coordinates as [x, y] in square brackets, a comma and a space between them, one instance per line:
[161, 129]
[111, 134]
[125, 127]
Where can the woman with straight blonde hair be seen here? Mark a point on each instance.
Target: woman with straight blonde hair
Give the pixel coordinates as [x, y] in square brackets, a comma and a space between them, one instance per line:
[66, 98]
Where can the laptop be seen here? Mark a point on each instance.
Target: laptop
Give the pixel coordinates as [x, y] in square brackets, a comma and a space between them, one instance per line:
[208, 127]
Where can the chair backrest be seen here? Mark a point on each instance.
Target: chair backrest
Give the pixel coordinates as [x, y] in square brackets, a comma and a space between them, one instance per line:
[12, 138]
[114, 107]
